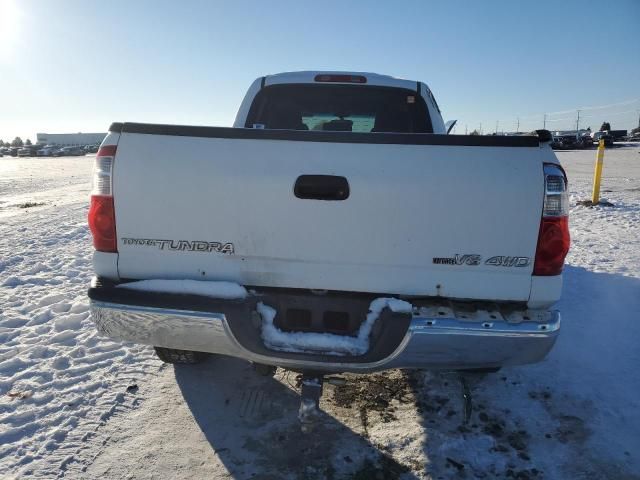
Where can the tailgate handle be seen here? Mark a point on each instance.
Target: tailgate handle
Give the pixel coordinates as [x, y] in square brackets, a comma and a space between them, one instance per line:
[321, 187]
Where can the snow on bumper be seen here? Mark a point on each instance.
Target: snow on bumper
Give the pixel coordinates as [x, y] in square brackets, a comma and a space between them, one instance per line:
[431, 341]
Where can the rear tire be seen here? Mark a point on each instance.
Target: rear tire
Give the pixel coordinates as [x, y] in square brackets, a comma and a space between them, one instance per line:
[171, 355]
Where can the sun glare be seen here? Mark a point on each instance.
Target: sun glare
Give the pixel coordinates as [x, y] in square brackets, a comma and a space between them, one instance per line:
[9, 25]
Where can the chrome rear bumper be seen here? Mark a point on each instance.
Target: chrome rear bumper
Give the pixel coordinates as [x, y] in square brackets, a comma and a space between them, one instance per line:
[432, 341]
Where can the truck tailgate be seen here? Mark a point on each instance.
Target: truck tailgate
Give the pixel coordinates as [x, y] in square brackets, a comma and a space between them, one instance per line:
[420, 219]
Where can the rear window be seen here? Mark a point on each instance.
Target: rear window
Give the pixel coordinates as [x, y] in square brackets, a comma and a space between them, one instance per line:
[339, 108]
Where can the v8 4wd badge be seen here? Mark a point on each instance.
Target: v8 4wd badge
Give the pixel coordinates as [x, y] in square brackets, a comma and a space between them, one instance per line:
[473, 260]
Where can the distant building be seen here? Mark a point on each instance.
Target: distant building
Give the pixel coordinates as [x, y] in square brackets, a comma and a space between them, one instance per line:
[69, 138]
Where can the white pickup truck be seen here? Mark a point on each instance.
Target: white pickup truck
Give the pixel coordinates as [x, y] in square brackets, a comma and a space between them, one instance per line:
[337, 227]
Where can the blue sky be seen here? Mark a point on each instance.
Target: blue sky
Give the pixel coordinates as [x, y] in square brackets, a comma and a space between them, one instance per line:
[72, 65]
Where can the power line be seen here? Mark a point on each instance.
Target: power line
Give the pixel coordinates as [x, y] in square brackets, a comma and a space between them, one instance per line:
[546, 117]
[548, 120]
[598, 107]
[628, 102]
[611, 114]
[558, 119]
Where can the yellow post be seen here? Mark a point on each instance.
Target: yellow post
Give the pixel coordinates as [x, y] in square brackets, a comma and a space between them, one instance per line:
[597, 174]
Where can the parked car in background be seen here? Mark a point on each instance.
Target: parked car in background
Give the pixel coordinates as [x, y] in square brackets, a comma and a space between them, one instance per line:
[91, 148]
[586, 141]
[564, 140]
[572, 140]
[48, 151]
[28, 151]
[603, 135]
[71, 152]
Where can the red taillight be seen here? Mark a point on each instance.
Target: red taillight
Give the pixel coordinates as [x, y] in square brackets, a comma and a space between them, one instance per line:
[553, 246]
[107, 151]
[553, 237]
[102, 217]
[341, 78]
[102, 223]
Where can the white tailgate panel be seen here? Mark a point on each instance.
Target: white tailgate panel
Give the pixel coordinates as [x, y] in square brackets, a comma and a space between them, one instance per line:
[408, 204]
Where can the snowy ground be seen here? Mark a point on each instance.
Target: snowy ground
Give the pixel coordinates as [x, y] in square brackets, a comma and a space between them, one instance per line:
[77, 406]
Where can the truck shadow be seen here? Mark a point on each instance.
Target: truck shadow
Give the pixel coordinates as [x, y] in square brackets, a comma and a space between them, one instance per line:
[519, 415]
[251, 423]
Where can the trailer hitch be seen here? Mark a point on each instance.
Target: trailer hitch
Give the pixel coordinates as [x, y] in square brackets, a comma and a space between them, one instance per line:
[310, 393]
[467, 399]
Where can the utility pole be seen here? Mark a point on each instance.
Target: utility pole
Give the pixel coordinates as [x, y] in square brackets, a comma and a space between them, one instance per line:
[518, 127]
[465, 129]
[497, 124]
[578, 123]
[544, 122]
[480, 128]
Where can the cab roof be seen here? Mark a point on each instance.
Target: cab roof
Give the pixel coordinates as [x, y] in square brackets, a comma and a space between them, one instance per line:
[309, 76]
